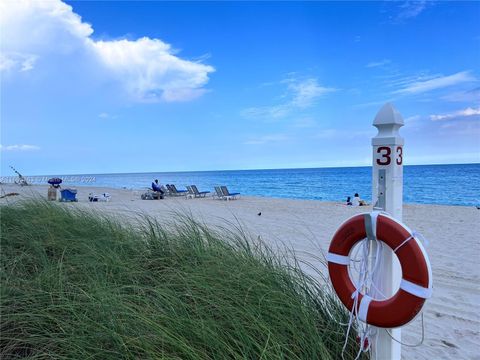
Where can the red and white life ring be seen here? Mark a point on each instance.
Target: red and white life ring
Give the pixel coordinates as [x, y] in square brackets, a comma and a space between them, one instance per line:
[416, 283]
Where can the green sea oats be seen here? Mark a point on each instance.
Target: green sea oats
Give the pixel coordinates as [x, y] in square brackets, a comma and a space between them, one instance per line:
[77, 285]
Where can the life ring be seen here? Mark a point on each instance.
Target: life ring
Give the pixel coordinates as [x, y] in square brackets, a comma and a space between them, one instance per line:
[416, 283]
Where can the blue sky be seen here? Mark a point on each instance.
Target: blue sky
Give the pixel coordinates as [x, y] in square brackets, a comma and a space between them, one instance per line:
[100, 87]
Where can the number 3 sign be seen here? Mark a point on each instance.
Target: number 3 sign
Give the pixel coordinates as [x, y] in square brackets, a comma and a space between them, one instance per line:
[386, 153]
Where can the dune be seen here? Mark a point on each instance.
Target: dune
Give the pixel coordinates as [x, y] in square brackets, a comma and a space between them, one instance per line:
[452, 320]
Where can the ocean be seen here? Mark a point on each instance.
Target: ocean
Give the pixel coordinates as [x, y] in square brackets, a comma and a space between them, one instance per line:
[423, 184]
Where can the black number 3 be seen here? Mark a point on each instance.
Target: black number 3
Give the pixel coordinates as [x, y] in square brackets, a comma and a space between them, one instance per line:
[399, 160]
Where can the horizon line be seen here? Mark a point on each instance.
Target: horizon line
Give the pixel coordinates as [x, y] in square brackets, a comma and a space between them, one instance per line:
[259, 169]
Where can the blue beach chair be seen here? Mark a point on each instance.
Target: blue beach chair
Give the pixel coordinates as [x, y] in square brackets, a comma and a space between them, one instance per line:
[172, 189]
[218, 193]
[198, 193]
[227, 194]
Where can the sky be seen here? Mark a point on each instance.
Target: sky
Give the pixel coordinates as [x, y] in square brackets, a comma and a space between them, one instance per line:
[105, 87]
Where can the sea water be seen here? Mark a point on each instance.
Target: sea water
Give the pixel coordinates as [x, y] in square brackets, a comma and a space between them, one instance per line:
[424, 184]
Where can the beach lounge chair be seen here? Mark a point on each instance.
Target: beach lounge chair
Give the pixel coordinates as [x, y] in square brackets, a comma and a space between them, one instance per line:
[172, 189]
[218, 193]
[165, 190]
[198, 193]
[190, 193]
[227, 194]
[181, 192]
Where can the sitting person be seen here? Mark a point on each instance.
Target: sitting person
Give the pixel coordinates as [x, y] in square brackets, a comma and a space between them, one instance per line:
[156, 187]
[357, 201]
[349, 201]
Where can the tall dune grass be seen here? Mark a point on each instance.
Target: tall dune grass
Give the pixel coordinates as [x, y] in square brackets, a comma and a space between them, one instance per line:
[78, 285]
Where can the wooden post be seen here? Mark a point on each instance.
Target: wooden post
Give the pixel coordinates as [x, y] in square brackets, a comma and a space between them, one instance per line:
[387, 195]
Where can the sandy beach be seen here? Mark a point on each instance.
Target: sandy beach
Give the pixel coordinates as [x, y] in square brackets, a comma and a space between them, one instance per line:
[452, 321]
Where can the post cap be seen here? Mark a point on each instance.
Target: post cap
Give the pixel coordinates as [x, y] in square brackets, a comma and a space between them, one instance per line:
[388, 121]
[388, 115]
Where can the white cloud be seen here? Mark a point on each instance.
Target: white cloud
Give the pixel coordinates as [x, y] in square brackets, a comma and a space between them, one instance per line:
[266, 139]
[411, 9]
[407, 10]
[17, 62]
[28, 24]
[456, 114]
[378, 63]
[423, 84]
[300, 94]
[472, 95]
[306, 92]
[412, 119]
[148, 69]
[462, 127]
[22, 147]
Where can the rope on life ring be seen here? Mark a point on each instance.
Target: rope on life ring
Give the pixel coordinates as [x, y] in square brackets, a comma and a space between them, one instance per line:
[416, 283]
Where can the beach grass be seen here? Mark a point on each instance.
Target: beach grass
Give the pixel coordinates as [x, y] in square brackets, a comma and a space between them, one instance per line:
[81, 285]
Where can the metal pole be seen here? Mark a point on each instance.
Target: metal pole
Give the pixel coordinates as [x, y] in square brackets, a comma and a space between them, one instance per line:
[387, 195]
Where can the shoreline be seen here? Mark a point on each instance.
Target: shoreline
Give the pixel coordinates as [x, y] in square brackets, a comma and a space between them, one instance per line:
[451, 184]
[109, 189]
[452, 322]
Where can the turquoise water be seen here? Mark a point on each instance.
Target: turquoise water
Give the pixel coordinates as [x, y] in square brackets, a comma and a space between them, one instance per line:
[425, 184]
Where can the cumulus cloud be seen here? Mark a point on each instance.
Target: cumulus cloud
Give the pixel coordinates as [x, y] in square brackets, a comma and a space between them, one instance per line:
[148, 69]
[456, 114]
[17, 62]
[22, 147]
[300, 94]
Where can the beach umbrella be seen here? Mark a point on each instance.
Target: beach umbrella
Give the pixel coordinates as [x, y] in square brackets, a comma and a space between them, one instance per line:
[55, 181]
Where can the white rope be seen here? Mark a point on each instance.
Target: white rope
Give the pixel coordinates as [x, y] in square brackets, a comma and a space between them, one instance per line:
[360, 261]
[363, 285]
[410, 345]
[419, 236]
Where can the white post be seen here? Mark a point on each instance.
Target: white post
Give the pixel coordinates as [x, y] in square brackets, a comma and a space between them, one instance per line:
[387, 195]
